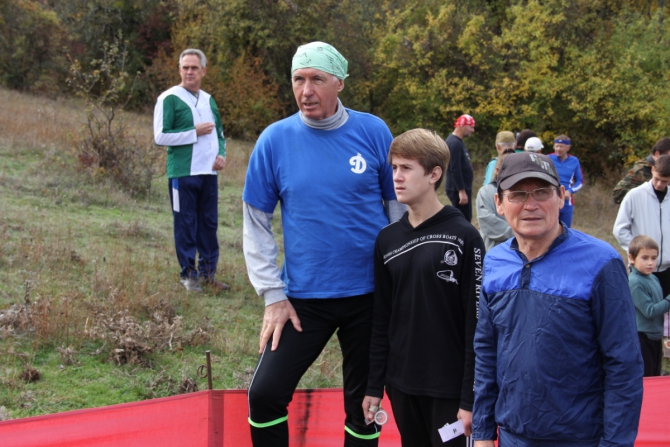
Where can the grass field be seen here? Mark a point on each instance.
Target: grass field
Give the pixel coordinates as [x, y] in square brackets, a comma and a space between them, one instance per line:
[82, 266]
[89, 292]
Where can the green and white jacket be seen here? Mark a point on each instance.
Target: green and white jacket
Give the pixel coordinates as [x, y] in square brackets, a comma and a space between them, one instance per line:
[177, 113]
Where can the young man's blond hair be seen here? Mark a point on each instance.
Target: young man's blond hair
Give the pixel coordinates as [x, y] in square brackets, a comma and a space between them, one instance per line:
[424, 146]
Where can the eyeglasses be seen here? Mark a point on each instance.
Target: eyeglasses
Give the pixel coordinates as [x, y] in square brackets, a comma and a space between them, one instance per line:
[539, 194]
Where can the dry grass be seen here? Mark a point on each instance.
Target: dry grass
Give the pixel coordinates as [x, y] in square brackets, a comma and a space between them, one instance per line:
[89, 279]
[38, 122]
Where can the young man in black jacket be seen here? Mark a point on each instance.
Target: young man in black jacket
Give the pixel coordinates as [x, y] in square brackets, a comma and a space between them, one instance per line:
[428, 272]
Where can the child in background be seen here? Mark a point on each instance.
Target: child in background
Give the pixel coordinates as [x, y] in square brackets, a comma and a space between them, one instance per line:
[649, 302]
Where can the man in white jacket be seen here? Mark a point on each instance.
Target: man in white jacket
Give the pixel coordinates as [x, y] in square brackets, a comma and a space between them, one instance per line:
[187, 121]
[645, 210]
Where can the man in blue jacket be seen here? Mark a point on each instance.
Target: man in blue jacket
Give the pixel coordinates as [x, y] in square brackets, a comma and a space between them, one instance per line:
[557, 357]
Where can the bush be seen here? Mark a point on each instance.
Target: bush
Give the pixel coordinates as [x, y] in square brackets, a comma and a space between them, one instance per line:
[105, 146]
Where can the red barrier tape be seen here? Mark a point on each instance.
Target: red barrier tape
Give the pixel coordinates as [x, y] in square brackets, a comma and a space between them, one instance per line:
[219, 419]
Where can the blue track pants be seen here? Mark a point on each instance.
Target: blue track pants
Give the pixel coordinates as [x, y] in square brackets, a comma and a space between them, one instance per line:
[194, 203]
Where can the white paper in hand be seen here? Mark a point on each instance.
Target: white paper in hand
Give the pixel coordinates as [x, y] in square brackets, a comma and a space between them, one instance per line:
[450, 431]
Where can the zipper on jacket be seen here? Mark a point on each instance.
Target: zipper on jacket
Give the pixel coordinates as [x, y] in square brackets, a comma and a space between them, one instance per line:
[660, 248]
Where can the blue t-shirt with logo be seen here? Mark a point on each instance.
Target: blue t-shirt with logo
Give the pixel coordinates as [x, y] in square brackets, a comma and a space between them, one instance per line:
[330, 185]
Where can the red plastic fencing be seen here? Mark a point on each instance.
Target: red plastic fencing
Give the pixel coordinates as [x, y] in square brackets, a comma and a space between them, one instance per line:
[654, 428]
[219, 419]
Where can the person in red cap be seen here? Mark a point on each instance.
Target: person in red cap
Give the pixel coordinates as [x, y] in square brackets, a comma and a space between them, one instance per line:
[460, 175]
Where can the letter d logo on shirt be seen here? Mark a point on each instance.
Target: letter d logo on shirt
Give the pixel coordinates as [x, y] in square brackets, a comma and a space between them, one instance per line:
[358, 163]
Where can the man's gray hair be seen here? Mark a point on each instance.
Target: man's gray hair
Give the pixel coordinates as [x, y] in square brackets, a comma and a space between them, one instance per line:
[194, 52]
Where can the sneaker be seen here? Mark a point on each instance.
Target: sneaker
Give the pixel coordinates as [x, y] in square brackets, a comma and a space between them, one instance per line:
[217, 285]
[191, 284]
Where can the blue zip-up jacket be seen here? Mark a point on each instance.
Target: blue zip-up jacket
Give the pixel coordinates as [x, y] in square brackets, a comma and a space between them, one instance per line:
[557, 352]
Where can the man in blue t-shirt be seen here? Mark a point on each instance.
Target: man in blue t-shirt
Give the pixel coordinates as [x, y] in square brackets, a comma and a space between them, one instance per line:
[569, 173]
[327, 168]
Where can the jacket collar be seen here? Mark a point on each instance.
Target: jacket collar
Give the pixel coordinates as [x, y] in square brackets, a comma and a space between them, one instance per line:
[514, 245]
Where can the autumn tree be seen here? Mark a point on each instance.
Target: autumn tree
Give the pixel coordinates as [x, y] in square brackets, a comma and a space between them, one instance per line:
[31, 36]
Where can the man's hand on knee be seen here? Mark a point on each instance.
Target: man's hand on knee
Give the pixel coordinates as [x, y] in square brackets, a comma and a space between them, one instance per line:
[275, 317]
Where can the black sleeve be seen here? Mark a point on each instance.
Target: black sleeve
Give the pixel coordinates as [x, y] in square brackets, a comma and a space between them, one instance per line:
[457, 153]
[471, 286]
[381, 317]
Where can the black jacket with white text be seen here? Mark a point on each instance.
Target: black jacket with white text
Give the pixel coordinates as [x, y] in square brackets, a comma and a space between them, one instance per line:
[427, 285]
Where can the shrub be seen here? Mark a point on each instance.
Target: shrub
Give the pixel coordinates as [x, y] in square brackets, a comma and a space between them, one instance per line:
[105, 146]
[131, 340]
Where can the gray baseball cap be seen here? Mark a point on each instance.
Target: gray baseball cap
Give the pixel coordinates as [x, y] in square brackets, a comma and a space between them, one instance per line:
[523, 165]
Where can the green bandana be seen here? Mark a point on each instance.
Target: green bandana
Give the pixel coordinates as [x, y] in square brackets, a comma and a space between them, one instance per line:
[321, 56]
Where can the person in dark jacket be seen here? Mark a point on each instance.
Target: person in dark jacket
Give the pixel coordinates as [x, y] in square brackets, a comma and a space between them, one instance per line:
[521, 139]
[428, 271]
[641, 170]
[459, 178]
[557, 353]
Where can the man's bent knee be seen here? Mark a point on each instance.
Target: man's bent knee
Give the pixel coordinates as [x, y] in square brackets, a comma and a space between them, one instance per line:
[267, 403]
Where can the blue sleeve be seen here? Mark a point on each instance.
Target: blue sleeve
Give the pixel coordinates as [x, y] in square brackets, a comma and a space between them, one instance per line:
[486, 386]
[578, 177]
[261, 189]
[386, 172]
[490, 168]
[614, 317]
